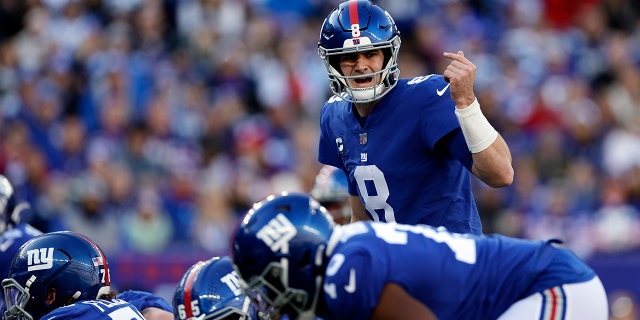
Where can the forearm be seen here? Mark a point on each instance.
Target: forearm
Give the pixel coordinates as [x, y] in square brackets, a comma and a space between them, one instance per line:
[491, 155]
[153, 313]
[493, 164]
[358, 212]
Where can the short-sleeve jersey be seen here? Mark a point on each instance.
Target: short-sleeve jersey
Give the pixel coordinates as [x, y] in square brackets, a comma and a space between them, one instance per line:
[393, 160]
[142, 300]
[456, 276]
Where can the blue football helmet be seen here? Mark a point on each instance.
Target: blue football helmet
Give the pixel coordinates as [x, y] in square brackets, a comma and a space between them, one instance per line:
[210, 290]
[10, 207]
[356, 26]
[331, 189]
[278, 252]
[53, 270]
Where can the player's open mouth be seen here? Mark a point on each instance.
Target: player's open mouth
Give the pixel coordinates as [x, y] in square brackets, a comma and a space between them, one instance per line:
[365, 80]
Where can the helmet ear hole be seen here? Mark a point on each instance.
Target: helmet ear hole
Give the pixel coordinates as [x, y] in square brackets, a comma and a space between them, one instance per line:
[51, 296]
[387, 52]
[285, 208]
[334, 61]
[305, 259]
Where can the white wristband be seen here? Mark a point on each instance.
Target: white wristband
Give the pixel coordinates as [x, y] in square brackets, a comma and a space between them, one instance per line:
[477, 130]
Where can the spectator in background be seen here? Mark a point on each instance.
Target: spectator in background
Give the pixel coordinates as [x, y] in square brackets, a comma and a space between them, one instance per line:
[87, 213]
[616, 223]
[623, 305]
[147, 229]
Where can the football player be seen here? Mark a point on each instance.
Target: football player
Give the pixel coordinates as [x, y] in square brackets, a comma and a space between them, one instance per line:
[289, 250]
[65, 275]
[210, 290]
[408, 145]
[331, 189]
[13, 230]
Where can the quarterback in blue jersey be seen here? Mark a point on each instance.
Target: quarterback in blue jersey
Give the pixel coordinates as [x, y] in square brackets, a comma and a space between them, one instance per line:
[407, 145]
[288, 250]
[13, 231]
[65, 275]
[210, 290]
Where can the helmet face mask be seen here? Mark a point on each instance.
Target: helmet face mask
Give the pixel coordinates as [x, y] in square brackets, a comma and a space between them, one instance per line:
[7, 204]
[17, 297]
[278, 251]
[270, 288]
[371, 29]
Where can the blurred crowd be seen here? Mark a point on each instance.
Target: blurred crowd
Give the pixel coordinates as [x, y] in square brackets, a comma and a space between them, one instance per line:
[152, 124]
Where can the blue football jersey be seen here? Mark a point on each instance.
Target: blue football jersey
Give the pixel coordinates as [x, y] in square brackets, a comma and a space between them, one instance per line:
[115, 309]
[10, 242]
[392, 159]
[457, 276]
[142, 300]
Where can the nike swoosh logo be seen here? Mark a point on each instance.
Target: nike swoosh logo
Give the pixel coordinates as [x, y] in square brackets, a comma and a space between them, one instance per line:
[351, 288]
[441, 92]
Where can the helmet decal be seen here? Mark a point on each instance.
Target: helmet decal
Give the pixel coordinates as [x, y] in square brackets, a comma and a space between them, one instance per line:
[101, 260]
[39, 259]
[353, 18]
[188, 286]
[277, 233]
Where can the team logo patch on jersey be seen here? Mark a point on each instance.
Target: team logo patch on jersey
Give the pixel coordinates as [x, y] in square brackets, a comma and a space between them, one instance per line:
[40, 259]
[277, 233]
[363, 138]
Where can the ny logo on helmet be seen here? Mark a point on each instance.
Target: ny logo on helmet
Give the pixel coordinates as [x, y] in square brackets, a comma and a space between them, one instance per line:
[40, 259]
[232, 281]
[277, 233]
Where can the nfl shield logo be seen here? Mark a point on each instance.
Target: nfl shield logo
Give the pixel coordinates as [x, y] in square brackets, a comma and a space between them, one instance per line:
[363, 138]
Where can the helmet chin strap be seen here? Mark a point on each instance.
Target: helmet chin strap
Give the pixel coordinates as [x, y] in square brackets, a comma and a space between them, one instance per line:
[366, 94]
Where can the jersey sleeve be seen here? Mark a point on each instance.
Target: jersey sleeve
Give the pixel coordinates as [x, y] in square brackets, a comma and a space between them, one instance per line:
[328, 146]
[438, 111]
[353, 283]
[142, 300]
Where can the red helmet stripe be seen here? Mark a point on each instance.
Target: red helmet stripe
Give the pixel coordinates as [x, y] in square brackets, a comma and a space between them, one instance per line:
[107, 275]
[188, 286]
[353, 13]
